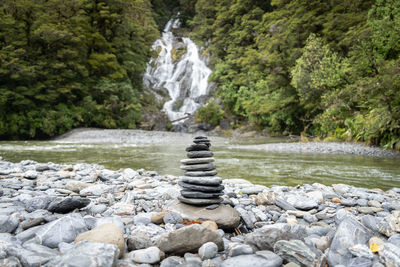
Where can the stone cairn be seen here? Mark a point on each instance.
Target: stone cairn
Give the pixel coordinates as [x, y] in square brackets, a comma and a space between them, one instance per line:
[200, 185]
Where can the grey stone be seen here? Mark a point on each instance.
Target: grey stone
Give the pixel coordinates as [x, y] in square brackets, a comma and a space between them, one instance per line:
[65, 247]
[359, 262]
[197, 147]
[246, 261]
[370, 222]
[30, 258]
[139, 241]
[200, 201]
[140, 219]
[42, 167]
[188, 239]
[148, 255]
[202, 188]
[395, 239]
[191, 260]
[87, 254]
[97, 209]
[172, 261]
[361, 250]
[8, 223]
[349, 233]
[224, 216]
[173, 217]
[28, 234]
[198, 194]
[246, 218]
[236, 249]
[37, 203]
[205, 180]
[10, 262]
[266, 237]
[201, 173]
[208, 251]
[302, 203]
[273, 259]
[389, 254]
[198, 167]
[199, 154]
[298, 252]
[210, 263]
[283, 204]
[64, 229]
[253, 190]
[197, 161]
[68, 204]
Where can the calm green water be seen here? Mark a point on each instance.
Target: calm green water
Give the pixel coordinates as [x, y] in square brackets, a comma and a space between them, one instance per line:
[256, 166]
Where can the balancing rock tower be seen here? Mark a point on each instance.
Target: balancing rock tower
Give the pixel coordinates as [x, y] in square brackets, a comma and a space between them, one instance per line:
[200, 185]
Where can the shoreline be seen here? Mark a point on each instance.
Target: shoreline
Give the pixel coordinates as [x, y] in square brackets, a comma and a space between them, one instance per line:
[44, 207]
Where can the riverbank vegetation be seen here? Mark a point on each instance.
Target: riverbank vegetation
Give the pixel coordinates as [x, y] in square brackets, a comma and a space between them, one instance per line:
[328, 69]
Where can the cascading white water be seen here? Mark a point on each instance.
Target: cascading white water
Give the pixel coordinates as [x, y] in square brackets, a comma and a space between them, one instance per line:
[185, 79]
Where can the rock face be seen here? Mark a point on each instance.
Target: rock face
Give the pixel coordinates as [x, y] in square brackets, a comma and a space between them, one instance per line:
[106, 233]
[349, 233]
[225, 216]
[88, 254]
[188, 239]
[200, 187]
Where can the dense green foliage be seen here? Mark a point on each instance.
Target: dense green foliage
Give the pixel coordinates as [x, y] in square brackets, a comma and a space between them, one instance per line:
[72, 63]
[210, 113]
[325, 68]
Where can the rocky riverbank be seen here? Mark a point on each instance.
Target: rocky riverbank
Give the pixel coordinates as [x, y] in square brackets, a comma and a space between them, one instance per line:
[86, 215]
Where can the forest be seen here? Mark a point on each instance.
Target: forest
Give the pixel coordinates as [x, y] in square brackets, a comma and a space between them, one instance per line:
[323, 69]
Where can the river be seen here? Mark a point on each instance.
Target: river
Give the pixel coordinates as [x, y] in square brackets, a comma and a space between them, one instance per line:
[161, 151]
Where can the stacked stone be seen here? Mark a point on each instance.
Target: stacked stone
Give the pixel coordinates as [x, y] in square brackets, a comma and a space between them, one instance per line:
[200, 185]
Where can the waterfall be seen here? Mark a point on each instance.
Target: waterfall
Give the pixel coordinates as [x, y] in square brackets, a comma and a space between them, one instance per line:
[185, 79]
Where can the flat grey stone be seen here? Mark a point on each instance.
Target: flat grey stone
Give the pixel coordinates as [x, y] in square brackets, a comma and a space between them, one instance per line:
[273, 259]
[188, 239]
[197, 161]
[202, 188]
[139, 241]
[236, 249]
[68, 204]
[224, 216]
[266, 237]
[173, 217]
[64, 229]
[201, 173]
[197, 147]
[246, 261]
[206, 180]
[283, 204]
[359, 262]
[200, 201]
[149, 255]
[349, 233]
[37, 203]
[198, 194]
[198, 167]
[87, 254]
[199, 154]
[298, 252]
[172, 261]
[8, 223]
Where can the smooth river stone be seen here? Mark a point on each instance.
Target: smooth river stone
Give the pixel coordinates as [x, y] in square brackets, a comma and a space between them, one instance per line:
[211, 180]
[200, 173]
[201, 188]
[197, 161]
[197, 147]
[199, 154]
[198, 194]
[198, 167]
[200, 137]
[203, 141]
[200, 201]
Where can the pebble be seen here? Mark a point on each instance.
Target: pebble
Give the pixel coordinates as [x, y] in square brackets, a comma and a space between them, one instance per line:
[208, 251]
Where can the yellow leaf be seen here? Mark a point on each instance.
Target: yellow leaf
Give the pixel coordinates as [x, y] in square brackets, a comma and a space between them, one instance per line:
[374, 247]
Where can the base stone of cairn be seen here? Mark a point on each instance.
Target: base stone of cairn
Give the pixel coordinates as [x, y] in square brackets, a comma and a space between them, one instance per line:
[200, 199]
[200, 185]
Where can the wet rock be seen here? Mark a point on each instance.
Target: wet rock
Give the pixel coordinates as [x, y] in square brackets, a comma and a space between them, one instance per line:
[68, 204]
[208, 251]
[149, 255]
[349, 233]
[64, 229]
[298, 252]
[87, 254]
[188, 239]
[105, 233]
